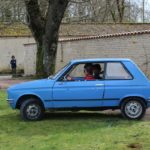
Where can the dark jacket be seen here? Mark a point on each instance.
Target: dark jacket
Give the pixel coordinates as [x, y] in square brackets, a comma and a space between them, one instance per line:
[13, 63]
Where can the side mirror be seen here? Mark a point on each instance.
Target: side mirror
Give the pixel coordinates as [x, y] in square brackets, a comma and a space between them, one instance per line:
[50, 77]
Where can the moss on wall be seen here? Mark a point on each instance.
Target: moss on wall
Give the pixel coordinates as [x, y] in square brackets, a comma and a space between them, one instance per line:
[74, 29]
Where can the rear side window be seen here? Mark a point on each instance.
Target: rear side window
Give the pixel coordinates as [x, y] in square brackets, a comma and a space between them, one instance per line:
[115, 70]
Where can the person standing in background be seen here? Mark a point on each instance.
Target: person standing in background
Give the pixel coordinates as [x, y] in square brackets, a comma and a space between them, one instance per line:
[13, 64]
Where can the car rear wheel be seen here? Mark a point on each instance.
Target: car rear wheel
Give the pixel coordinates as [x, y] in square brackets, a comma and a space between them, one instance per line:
[31, 110]
[133, 108]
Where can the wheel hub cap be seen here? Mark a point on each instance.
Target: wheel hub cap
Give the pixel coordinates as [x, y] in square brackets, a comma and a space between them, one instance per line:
[32, 111]
[133, 109]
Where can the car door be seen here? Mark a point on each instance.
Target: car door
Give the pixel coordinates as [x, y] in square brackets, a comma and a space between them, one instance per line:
[78, 93]
[118, 82]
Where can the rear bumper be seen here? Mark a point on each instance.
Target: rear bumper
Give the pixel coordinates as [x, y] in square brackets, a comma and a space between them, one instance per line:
[148, 102]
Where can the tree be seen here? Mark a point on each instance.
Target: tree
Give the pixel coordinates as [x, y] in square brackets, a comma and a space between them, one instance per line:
[45, 31]
[12, 11]
[120, 8]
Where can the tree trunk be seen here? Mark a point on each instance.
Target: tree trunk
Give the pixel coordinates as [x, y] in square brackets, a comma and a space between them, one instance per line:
[49, 58]
[54, 16]
[39, 62]
[45, 32]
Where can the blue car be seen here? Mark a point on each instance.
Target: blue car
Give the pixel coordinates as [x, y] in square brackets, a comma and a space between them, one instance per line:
[85, 84]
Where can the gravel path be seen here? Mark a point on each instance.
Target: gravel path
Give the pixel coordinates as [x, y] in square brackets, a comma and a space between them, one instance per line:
[5, 82]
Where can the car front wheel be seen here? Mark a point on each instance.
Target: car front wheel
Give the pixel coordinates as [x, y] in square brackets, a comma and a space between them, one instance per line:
[133, 108]
[31, 110]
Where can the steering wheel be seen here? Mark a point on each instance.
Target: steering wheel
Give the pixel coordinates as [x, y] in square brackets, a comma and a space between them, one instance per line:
[68, 78]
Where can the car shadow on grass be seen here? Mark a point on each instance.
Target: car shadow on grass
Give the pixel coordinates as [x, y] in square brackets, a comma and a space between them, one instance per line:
[101, 115]
[67, 115]
[111, 117]
[82, 115]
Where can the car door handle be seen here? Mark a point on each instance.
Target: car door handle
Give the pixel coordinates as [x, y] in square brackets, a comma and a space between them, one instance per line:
[99, 84]
[60, 83]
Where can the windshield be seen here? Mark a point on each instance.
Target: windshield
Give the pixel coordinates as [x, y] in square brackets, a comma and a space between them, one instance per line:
[58, 72]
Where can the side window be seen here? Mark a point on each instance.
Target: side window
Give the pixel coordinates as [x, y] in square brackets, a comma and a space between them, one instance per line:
[84, 71]
[75, 73]
[78, 71]
[115, 70]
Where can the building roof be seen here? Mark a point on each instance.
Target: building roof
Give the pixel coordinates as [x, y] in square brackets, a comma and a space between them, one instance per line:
[76, 30]
[104, 36]
[14, 30]
[66, 39]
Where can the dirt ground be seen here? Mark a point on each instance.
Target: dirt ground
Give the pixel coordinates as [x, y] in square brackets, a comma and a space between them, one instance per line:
[6, 82]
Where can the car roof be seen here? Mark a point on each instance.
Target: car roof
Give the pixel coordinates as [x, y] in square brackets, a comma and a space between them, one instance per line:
[100, 59]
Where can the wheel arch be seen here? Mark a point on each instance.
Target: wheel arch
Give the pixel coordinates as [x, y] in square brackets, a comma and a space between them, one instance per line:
[22, 98]
[130, 97]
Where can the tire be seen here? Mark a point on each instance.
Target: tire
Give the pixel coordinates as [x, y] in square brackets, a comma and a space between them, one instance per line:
[31, 110]
[133, 108]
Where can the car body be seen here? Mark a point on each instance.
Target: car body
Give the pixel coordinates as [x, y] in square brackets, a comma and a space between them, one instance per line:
[122, 85]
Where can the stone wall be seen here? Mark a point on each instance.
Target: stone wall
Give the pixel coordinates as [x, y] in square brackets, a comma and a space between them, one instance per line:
[135, 47]
[30, 59]
[12, 46]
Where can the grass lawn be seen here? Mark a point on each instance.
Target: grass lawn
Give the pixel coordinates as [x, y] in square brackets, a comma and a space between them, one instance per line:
[71, 131]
